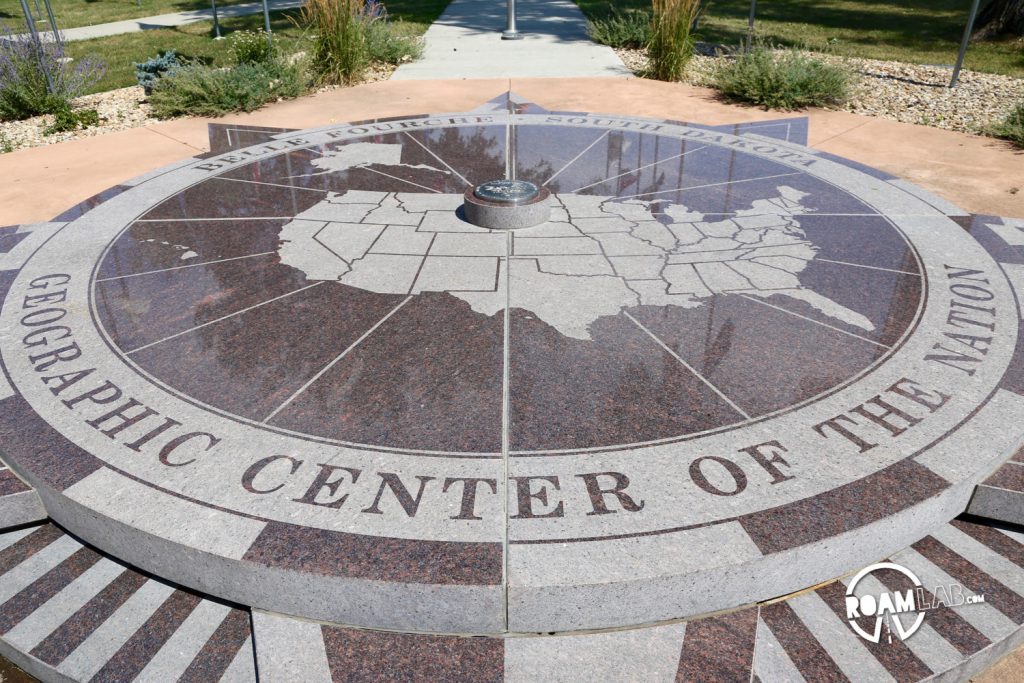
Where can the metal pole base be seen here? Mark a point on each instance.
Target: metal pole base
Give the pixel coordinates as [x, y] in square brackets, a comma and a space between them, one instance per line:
[511, 35]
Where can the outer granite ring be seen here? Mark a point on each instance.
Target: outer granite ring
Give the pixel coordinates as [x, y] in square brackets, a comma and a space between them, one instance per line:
[595, 537]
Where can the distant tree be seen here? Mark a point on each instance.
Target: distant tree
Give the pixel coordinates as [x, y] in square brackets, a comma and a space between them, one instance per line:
[1000, 16]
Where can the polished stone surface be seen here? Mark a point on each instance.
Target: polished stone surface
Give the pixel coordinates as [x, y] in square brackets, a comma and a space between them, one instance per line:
[68, 612]
[291, 374]
[805, 637]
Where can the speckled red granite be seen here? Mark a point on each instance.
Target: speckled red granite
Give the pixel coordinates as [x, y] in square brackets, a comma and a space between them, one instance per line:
[251, 364]
[429, 378]
[189, 298]
[999, 542]
[1010, 476]
[143, 645]
[55, 648]
[1004, 599]
[33, 444]
[45, 587]
[91, 203]
[371, 656]
[842, 509]
[26, 547]
[895, 656]
[719, 648]
[226, 137]
[10, 484]
[221, 649]
[944, 620]
[806, 653]
[219, 198]
[1013, 379]
[371, 557]
[620, 387]
[733, 342]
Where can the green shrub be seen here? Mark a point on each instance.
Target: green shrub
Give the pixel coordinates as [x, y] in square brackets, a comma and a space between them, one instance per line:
[67, 120]
[252, 47]
[386, 44]
[1012, 127]
[6, 145]
[619, 28]
[672, 39]
[35, 77]
[340, 53]
[781, 79]
[147, 72]
[200, 90]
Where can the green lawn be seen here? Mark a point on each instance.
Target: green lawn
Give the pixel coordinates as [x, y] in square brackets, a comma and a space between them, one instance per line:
[917, 31]
[195, 41]
[72, 13]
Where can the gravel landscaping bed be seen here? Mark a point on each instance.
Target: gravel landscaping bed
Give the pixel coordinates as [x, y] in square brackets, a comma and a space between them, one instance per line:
[902, 92]
[892, 90]
[118, 109]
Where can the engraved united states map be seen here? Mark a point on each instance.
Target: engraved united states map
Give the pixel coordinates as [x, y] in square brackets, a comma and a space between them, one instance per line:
[604, 254]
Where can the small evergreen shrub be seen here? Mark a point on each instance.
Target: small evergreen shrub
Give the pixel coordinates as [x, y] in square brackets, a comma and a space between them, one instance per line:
[6, 145]
[1012, 127]
[672, 40]
[781, 79]
[67, 120]
[36, 77]
[618, 28]
[147, 73]
[200, 90]
[252, 47]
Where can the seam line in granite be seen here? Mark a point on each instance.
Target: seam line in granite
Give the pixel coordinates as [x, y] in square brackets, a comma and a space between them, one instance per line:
[817, 322]
[506, 401]
[861, 265]
[261, 182]
[686, 365]
[373, 170]
[189, 265]
[312, 380]
[215, 218]
[431, 153]
[573, 160]
[394, 177]
[653, 163]
[753, 650]
[224, 317]
[700, 187]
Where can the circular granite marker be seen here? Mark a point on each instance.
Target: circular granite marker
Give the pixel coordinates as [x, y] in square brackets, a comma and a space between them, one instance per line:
[507, 205]
[723, 369]
[514, 192]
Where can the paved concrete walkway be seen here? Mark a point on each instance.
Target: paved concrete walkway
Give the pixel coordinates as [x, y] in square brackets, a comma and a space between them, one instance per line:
[465, 42]
[114, 28]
